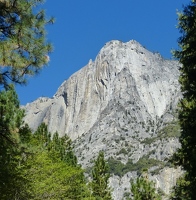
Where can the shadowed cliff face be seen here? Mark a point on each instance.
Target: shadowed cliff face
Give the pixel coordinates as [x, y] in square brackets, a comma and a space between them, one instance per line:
[124, 104]
[121, 72]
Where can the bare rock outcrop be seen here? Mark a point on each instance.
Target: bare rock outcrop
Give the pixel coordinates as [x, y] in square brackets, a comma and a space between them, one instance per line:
[121, 71]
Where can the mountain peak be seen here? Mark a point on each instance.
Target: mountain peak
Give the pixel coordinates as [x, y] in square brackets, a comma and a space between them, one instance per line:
[119, 104]
[121, 71]
[114, 45]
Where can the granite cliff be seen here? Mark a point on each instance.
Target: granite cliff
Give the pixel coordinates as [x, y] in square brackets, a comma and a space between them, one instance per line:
[123, 103]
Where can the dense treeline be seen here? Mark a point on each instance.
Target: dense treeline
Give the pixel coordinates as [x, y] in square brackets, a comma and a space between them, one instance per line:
[35, 166]
[40, 166]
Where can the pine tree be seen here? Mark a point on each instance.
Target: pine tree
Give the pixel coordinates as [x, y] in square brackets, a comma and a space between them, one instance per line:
[186, 155]
[12, 182]
[60, 147]
[51, 171]
[23, 46]
[143, 189]
[42, 136]
[63, 147]
[52, 178]
[181, 190]
[100, 175]
[66, 150]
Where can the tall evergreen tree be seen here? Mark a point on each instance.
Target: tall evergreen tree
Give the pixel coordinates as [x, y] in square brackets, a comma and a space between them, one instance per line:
[181, 190]
[143, 189]
[23, 46]
[66, 151]
[186, 155]
[42, 136]
[100, 175]
[12, 182]
[60, 147]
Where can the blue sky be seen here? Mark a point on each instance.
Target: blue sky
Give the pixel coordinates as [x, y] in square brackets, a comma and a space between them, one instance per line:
[82, 28]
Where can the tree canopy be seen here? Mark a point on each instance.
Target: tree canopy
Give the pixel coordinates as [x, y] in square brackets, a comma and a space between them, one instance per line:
[50, 175]
[144, 189]
[186, 155]
[99, 184]
[35, 166]
[23, 46]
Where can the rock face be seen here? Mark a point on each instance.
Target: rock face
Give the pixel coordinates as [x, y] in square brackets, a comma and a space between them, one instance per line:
[124, 104]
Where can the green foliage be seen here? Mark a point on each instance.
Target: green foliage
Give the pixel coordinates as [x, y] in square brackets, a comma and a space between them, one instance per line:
[187, 52]
[100, 177]
[24, 49]
[143, 189]
[122, 151]
[64, 148]
[10, 114]
[35, 166]
[180, 190]
[42, 136]
[51, 168]
[118, 168]
[52, 178]
[126, 195]
[186, 155]
[56, 146]
[12, 183]
[172, 129]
